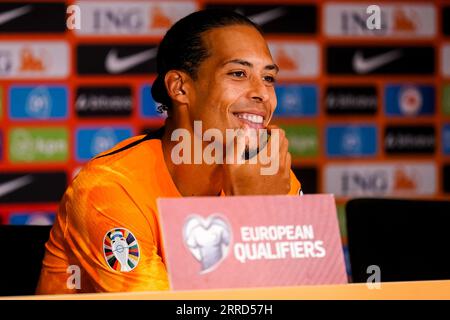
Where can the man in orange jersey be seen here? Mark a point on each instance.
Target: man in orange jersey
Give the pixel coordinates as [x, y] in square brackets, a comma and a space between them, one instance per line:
[215, 68]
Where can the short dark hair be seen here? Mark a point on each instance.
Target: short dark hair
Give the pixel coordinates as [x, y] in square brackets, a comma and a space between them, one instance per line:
[182, 47]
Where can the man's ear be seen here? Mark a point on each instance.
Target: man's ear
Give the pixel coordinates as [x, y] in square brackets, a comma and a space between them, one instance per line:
[176, 86]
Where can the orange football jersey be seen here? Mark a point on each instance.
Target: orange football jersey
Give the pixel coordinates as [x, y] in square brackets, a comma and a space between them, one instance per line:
[106, 235]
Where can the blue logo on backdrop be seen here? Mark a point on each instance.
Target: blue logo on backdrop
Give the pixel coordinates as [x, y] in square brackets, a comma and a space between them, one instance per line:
[446, 139]
[351, 141]
[92, 141]
[38, 102]
[296, 100]
[149, 108]
[32, 218]
[409, 100]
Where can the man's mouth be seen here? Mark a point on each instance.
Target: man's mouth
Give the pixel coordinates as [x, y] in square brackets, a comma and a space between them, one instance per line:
[252, 120]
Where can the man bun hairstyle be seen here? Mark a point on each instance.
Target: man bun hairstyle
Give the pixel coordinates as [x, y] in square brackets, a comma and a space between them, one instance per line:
[182, 47]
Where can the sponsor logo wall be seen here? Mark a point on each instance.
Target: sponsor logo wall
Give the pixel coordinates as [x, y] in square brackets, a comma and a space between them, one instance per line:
[367, 112]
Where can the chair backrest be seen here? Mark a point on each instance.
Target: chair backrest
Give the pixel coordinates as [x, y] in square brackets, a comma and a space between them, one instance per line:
[23, 249]
[409, 240]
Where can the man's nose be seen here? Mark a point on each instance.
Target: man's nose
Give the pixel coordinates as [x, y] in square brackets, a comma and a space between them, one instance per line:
[258, 90]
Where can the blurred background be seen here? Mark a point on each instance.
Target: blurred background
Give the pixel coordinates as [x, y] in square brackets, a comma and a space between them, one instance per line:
[366, 107]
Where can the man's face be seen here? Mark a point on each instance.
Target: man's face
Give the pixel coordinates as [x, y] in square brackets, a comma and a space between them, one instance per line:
[235, 84]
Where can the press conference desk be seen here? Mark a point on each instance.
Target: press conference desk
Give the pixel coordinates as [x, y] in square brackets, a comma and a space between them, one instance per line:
[388, 290]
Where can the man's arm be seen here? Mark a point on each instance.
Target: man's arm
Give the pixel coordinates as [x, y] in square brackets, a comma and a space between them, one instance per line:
[112, 237]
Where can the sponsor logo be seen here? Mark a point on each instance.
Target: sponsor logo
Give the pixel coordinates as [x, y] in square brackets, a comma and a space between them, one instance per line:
[390, 179]
[366, 65]
[1, 146]
[307, 177]
[446, 177]
[409, 140]
[446, 99]
[409, 100]
[445, 20]
[1, 103]
[41, 102]
[149, 107]
[445, 62]
[303, 140]
[208, 240]
[397, 21]
[7, 16]
[28, 17]
[116, 59]
[6, 62]
[296, 60]
[296, 100]
[351, 141]
[28, 187]
[13, 185]
[365, 60]
[361, 100]
[103, 101]
[114, 64]
[34, 59]
[132, 18]
[446, 139]
[32, 218]
[38, 144]
[92, 141]
[277, 19]
[121, 250]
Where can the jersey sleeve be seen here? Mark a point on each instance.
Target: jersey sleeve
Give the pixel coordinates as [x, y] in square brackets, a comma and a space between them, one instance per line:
[296, 186]
[113, 235]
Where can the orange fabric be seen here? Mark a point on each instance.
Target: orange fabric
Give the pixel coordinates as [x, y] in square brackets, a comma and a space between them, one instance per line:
[115, 191]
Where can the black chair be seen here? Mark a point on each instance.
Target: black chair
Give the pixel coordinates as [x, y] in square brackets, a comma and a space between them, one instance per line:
[22, 254]
[408, 239]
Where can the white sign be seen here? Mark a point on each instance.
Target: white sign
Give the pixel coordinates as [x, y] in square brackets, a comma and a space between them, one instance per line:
[393, 179]
[296, 59]
[397, 20]
[131, 18]
[34, 59]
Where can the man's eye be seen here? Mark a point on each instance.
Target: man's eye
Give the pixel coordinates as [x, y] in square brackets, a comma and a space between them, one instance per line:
[238, 74]
[269, 79]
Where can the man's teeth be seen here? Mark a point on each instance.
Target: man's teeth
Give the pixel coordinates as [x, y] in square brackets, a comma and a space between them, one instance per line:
[251, 117]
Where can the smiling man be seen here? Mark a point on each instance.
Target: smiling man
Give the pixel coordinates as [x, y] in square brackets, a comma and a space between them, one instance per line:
[215, 68]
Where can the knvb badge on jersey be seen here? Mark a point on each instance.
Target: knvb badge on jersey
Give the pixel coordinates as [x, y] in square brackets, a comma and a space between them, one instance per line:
[215, 242]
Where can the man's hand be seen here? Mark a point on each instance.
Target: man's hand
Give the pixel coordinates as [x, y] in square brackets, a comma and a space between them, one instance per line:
[254, 179]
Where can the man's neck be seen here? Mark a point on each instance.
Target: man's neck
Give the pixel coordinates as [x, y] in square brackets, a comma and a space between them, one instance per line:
[190, 179]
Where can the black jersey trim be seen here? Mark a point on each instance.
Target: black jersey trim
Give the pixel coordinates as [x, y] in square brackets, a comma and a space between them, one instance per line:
[149, 136]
